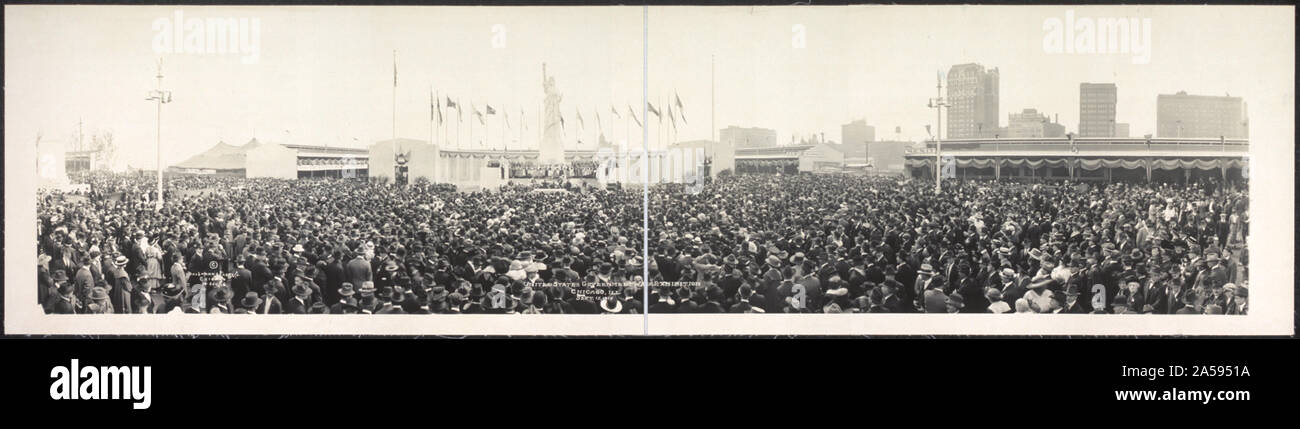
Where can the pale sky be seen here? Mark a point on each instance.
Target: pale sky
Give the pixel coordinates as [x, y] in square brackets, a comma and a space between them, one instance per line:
[879, 63]
[325, 73]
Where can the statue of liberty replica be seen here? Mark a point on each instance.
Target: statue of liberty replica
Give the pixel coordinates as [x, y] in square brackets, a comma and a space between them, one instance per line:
[551, 149]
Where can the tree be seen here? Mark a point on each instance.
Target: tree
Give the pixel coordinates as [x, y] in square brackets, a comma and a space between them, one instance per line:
[103, 143]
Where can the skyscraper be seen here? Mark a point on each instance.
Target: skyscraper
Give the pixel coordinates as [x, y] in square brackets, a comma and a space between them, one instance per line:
[1097, 109]
[857, 132]
[1201, 116]
[973, 101]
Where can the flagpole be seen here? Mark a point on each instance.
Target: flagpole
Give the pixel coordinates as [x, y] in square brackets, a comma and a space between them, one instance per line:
[394, 96]
[430, 115]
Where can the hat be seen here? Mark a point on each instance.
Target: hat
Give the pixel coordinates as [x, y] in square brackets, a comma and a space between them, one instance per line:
[390, 265]
[926, 269]
[773, 260]
[993, 295]
[251, 300]
[301, 290]
[297, 248]
[1212, 258]
[61, 275]
[98, 294]
[1035, 254]
[1242, 291]
[222, 294]
[1120, 300]
[956, 300]
[346, 290]
[438, 294]
[367, 287]
[398, 295]
[172, 290]
[611, 305]
[119, 260]
[1007, 272]
[1040, 281]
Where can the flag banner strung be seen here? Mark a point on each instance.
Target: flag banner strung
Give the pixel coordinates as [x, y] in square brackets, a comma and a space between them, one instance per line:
[633, 113]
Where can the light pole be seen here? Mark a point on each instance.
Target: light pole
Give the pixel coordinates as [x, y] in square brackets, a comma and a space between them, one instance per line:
[936, 103]
[160, 96]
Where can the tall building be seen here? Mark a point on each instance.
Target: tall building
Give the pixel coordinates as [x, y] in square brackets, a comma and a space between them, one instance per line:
[973, 101]
[1121, 130]
[857, 132]
[1201, 116]
[744, 138]
[1030, 123]
[1097, 109]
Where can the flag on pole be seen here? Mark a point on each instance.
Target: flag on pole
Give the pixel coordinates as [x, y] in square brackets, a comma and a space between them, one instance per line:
[599, 125]
[522, 119]
[652, 108]
[394, 68]
[561, 123]
[671, 117]
[681, 110]
[490, 110]
[451, 104]
[634, 118]
[459, 119]
[435, 111]
[615, 111]
[581, 123]
[477, 113]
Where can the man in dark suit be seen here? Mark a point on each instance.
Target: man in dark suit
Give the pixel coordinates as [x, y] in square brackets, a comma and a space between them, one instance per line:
[334, 276]
[358, 269]
[301, 301]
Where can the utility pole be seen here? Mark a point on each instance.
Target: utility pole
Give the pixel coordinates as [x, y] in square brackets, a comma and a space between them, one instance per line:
[160, 97]
[937, 103]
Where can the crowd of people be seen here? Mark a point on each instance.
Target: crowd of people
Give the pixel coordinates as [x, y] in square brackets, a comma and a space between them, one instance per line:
[267, 246]
[738, 244]
[856, 244]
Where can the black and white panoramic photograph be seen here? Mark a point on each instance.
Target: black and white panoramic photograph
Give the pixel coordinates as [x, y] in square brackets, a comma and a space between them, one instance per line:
[1010, 160]
[330, 160]
[695, 169]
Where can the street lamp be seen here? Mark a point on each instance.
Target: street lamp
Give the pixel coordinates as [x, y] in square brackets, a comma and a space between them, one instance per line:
[161, 97]
[936, 103]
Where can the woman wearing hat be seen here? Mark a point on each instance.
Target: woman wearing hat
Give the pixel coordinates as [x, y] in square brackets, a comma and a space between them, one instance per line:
[122, 286]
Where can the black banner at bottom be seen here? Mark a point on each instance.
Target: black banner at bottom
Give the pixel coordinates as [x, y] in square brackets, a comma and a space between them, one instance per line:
[1052, 376]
